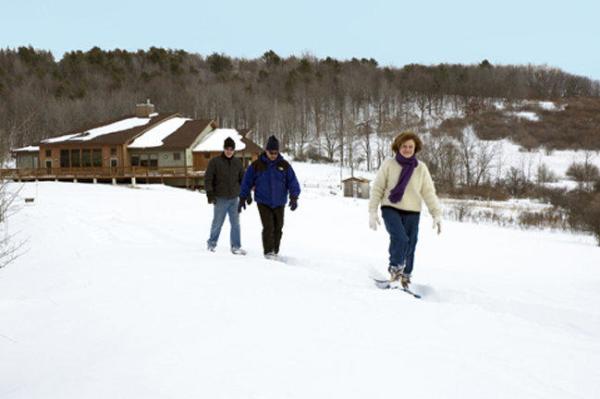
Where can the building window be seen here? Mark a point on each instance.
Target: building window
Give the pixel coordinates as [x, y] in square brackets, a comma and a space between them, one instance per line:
[75, 158]
[135, 160]
[146, 160]
[86, 158]
[97, 158]
[64, 159]
[113, 151]
[177, 156]
[154, 160]
[113, 163]
[48, 153]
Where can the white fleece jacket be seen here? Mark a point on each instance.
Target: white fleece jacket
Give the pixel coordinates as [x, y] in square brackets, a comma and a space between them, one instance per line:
[420, 188]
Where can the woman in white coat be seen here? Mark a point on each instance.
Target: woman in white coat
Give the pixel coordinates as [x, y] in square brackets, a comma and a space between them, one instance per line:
[402, 184]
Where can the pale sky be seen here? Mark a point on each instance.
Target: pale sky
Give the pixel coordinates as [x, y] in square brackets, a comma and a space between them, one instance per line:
[563, 34]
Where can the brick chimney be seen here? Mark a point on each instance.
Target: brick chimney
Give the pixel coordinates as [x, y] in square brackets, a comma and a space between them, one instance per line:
[144, 110]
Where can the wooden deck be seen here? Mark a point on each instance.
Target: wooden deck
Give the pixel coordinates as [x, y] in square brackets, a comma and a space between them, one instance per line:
[185, 174]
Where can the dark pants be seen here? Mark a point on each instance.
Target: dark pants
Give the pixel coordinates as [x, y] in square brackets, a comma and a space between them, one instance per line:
[272, 221]
[403, 228]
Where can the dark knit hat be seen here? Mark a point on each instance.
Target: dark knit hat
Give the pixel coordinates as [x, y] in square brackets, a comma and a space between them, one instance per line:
[272, 144]
[229, 143]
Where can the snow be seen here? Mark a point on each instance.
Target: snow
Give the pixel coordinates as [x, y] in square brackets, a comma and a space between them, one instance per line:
[548, 106]
[29, 148]
[118, 126]
[531, 116]
[502, 212]
[155, 136]
[59, 138]
[214, 140]
[499, 105]
[114, 299]
[558, 161]
[9, 163]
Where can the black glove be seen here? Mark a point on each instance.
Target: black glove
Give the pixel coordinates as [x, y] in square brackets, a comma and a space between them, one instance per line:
[293, 203]
[249, 199]
[211, 198]
[241, 204]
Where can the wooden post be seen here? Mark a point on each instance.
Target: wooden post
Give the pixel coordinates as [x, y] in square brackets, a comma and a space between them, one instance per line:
[187, 179]
[114, 181]
[133, 180]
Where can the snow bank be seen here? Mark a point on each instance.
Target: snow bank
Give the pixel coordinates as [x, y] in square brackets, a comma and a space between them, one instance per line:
[114, 299]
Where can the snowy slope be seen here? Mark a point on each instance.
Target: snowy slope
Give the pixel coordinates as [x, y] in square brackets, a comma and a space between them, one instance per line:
[117, 297]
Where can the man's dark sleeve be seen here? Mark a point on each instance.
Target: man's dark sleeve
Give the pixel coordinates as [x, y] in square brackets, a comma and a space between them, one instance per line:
[209, 178]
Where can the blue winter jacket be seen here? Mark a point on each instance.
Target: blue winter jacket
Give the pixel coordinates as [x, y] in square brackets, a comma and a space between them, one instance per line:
[271, 180]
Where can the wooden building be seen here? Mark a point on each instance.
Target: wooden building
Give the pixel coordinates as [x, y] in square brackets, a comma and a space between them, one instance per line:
[102, 146]
[148, 146]
[356, 187]
[27, 157]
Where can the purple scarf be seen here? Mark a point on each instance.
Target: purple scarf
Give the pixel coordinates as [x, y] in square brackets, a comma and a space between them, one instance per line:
[408, 167]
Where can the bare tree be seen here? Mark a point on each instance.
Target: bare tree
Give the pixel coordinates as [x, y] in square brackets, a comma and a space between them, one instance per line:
[9, 249]
[476, 157]
[584, 173]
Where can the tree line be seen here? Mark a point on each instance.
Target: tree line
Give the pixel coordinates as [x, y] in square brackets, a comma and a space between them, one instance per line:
[318, 107]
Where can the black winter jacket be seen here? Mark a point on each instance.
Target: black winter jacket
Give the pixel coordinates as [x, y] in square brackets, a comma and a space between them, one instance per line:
[223, 177]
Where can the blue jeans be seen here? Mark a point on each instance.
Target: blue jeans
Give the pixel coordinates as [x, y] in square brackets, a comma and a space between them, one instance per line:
[403, 228]
[223, 207]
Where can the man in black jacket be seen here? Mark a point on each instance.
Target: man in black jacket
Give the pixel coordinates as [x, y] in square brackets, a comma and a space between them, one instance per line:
[222, 183]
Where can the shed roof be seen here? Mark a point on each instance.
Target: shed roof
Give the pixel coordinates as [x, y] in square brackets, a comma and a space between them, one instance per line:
[30, 148]
[357, 179]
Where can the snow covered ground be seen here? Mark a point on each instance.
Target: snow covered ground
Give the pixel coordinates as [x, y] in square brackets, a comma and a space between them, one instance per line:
[116, 297]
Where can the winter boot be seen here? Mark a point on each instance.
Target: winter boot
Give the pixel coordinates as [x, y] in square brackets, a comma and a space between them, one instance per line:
[405, 280]
[271, 255]
[395, 272]
[238, 251]
[211, 248]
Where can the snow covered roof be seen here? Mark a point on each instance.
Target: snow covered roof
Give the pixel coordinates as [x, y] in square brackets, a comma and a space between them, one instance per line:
[156, 135]
[30, 148]
[214, 140]
[90, 134]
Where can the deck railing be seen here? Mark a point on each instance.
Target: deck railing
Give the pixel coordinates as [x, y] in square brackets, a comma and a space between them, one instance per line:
[101, 172]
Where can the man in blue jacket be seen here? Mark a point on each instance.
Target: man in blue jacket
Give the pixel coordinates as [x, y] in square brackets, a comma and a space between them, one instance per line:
[272, 178]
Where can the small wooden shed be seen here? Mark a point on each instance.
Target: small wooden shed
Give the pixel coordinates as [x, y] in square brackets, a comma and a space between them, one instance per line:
[356, 187]
[27, 157]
